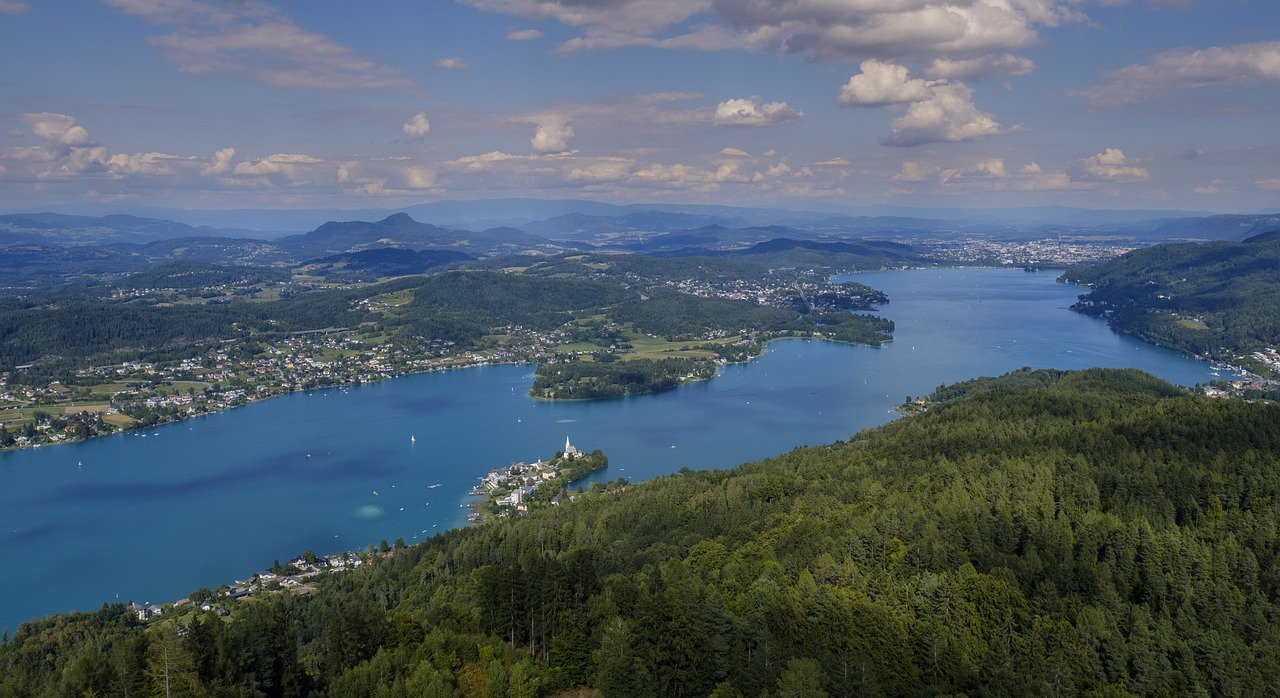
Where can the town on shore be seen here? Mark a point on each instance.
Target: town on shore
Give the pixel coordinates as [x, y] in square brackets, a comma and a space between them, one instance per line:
[510, 491]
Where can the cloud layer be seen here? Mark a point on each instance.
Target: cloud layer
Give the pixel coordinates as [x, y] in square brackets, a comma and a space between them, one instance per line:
[254, 39]
[1185, 69]
[854, 30]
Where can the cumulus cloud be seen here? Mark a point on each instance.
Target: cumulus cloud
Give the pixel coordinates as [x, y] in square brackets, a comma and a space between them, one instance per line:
[416, 177]
[525, 35]
[948, 115]
[552, 135]
[937, 111]
[255, 39]
[916, 172]
[122, 164]
[990, 174]
[605, 169]
[67, 152]
[58, 129]
[750, 112]
[282, 167]
[220, 164]
[881, 84]
[1185, 69]
[1112, 164]
[452, 64]
[417, 128]
[65, 158]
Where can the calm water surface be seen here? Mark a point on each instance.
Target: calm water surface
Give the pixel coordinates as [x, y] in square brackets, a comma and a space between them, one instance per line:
[152, 517]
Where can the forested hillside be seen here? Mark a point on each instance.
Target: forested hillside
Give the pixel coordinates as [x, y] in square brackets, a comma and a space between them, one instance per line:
[1215, 298]
[1043, 534]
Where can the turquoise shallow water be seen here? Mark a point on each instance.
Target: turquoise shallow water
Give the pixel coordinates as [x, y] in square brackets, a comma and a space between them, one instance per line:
[152, 517]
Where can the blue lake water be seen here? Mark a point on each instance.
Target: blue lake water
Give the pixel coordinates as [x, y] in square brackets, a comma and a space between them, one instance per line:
[152, 517]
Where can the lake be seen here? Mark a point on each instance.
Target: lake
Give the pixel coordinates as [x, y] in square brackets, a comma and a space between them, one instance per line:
[152, 516]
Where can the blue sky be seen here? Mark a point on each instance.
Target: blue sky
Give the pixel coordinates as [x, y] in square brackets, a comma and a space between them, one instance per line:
[212, 104]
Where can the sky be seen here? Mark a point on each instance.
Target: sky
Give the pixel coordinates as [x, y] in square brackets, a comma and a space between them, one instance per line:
[231, 104]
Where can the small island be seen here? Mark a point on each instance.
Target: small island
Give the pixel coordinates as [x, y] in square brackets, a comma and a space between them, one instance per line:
[520, 487]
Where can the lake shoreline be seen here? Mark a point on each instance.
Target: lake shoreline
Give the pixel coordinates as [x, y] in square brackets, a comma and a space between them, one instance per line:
[241, 482]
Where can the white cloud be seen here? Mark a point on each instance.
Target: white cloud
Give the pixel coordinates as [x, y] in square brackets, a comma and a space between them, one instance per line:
[452, 63]
[602, 169]
[937, 111]
[552, 135]
[734, 153]
[991, 174]
[917, 30]
[1184, 69]
[916, 172]
[13, 7]
[1112, 164]
[850, 31]
[122, 165]
[220, 164]
[980, 67]
[67, 152]
[58, 129]
[993, 167]
[1270, 184]
[417, 128]
[750, 112]
[255, 39]
[525, 35]
[289, 166]
[678, 175]
[881, 84]
[419, 178]
[949, 115]
[640, 17]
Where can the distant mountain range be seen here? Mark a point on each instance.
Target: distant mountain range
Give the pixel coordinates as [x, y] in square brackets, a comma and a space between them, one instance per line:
[400, 230]
[598, 223]
[58, 228]
[34, 245]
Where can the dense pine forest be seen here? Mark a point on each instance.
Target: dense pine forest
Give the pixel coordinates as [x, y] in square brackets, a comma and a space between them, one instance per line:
[1042, 534]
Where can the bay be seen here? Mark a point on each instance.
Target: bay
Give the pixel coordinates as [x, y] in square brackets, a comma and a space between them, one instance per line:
[151, 517]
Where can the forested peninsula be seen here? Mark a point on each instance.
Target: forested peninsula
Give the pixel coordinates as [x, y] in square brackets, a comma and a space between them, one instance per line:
[1218, 300]
[1041, 534]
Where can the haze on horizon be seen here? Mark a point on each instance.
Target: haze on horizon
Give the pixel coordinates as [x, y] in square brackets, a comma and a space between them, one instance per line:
[221, 104]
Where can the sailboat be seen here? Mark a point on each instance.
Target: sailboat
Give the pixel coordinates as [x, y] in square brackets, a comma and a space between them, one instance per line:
[412, 439]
